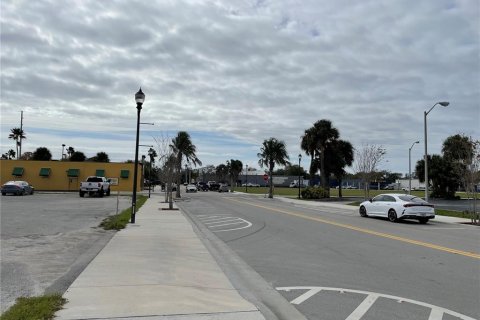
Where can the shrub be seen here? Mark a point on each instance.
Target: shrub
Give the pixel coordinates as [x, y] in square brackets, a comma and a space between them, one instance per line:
[315, 193]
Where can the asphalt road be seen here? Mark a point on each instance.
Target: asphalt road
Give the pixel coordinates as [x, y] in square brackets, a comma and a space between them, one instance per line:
[47, 239]
[334, 264]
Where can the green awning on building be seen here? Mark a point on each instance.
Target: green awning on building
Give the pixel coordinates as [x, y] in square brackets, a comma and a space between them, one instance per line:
[17, 171]
[100, 173]
[124, 174]
[73, 172]
[44, 172]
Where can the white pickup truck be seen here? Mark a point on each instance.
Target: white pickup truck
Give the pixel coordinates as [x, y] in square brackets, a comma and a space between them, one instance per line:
[95, 185]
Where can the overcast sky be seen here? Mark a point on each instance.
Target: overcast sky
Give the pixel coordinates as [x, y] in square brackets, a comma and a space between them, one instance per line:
[234, 73]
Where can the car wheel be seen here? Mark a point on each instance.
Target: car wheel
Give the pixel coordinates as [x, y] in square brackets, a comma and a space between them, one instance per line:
[100, 193]
[363, 211]
[423, 220]
[31, 192]
[392, 215]
[108, 192]
[4, 193]
[82, 194]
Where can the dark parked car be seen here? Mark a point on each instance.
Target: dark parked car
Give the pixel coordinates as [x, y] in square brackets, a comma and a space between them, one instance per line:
[202, 186]
[18, 188]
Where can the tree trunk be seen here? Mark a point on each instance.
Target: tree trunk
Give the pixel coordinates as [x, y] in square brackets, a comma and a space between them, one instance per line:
[339, 188]
[179, 178]
[270, 175]
[322, 169]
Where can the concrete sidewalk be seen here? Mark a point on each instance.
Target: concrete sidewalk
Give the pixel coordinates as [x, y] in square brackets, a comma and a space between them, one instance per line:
[157, 268]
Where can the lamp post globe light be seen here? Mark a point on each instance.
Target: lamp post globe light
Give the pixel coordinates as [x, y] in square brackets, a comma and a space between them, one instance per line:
[425, 113]
[299, 175]
[410, 167]
[139, 99]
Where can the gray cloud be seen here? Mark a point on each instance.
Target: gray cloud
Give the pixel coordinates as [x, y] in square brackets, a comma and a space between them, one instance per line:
[245, 69]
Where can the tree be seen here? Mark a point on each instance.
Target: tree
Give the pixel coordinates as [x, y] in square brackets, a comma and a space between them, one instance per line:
[183, 147]
[101, 157]
[78, 156]
[366, 161]
[272, 152]
[309, 145]
[449, 171]
[221, 172]
[70, 151]
[324, 134]
[27, 155]
[442, 176]
[17, 135]
[42, 154]
[9, 155]
[338, 155]
[235, 167]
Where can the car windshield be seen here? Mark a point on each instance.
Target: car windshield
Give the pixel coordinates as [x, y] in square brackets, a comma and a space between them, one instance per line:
[411, 199]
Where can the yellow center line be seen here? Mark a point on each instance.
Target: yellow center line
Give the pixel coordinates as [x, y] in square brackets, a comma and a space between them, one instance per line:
[367, 231]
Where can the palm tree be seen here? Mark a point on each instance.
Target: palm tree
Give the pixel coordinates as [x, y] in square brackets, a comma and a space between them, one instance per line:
[272, 152]
[309, 145]
[324, 134]
[17, 135]
[70, 151]
[183, 147]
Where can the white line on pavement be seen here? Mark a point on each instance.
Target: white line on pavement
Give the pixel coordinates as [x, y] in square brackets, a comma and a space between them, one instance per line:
[360, 311]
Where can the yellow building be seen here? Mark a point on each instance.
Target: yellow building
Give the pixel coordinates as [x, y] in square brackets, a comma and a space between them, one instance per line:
[67, 175]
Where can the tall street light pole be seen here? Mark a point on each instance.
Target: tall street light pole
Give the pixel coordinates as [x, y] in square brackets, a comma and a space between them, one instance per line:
[299, 173]
[410, 167]
[139, 99]
[425, 113]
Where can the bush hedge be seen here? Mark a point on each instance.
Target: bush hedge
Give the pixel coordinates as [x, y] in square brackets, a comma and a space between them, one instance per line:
[315, 193]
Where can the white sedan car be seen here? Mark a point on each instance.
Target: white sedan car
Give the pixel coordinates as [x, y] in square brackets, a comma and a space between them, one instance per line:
[191, 188]
[398, 206]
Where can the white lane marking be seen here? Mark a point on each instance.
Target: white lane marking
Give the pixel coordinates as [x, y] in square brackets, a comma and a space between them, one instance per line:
[360, 311]
[226, 224]
[220, 221]
[249, 224]
[306, 296]
[436, 313]
[214, 221]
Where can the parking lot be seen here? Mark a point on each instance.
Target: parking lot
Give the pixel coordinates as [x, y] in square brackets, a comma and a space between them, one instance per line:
[47, 239]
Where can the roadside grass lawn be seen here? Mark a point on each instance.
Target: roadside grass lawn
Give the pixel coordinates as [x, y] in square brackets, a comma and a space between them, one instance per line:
[35, 308]
[293, 193]
[120, 221]
[44, 307]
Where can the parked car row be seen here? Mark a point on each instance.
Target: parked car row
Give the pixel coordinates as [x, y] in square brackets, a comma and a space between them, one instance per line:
[17, 188]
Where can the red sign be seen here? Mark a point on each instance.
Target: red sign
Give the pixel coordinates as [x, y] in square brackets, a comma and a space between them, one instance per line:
[265, 177]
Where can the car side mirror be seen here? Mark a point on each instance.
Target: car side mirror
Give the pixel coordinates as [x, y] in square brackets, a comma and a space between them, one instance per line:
[371, 200]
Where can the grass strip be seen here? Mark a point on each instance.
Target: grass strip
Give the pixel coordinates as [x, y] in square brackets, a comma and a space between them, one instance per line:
[120, 221]
[452, 213]
[35, 308]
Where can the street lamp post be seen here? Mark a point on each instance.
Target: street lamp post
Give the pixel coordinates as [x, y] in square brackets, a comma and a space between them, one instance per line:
[186, 174]
[299, 174]
[425, 113]
[139, 98]
[246, 178]
[63, 148]
[410, 167]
